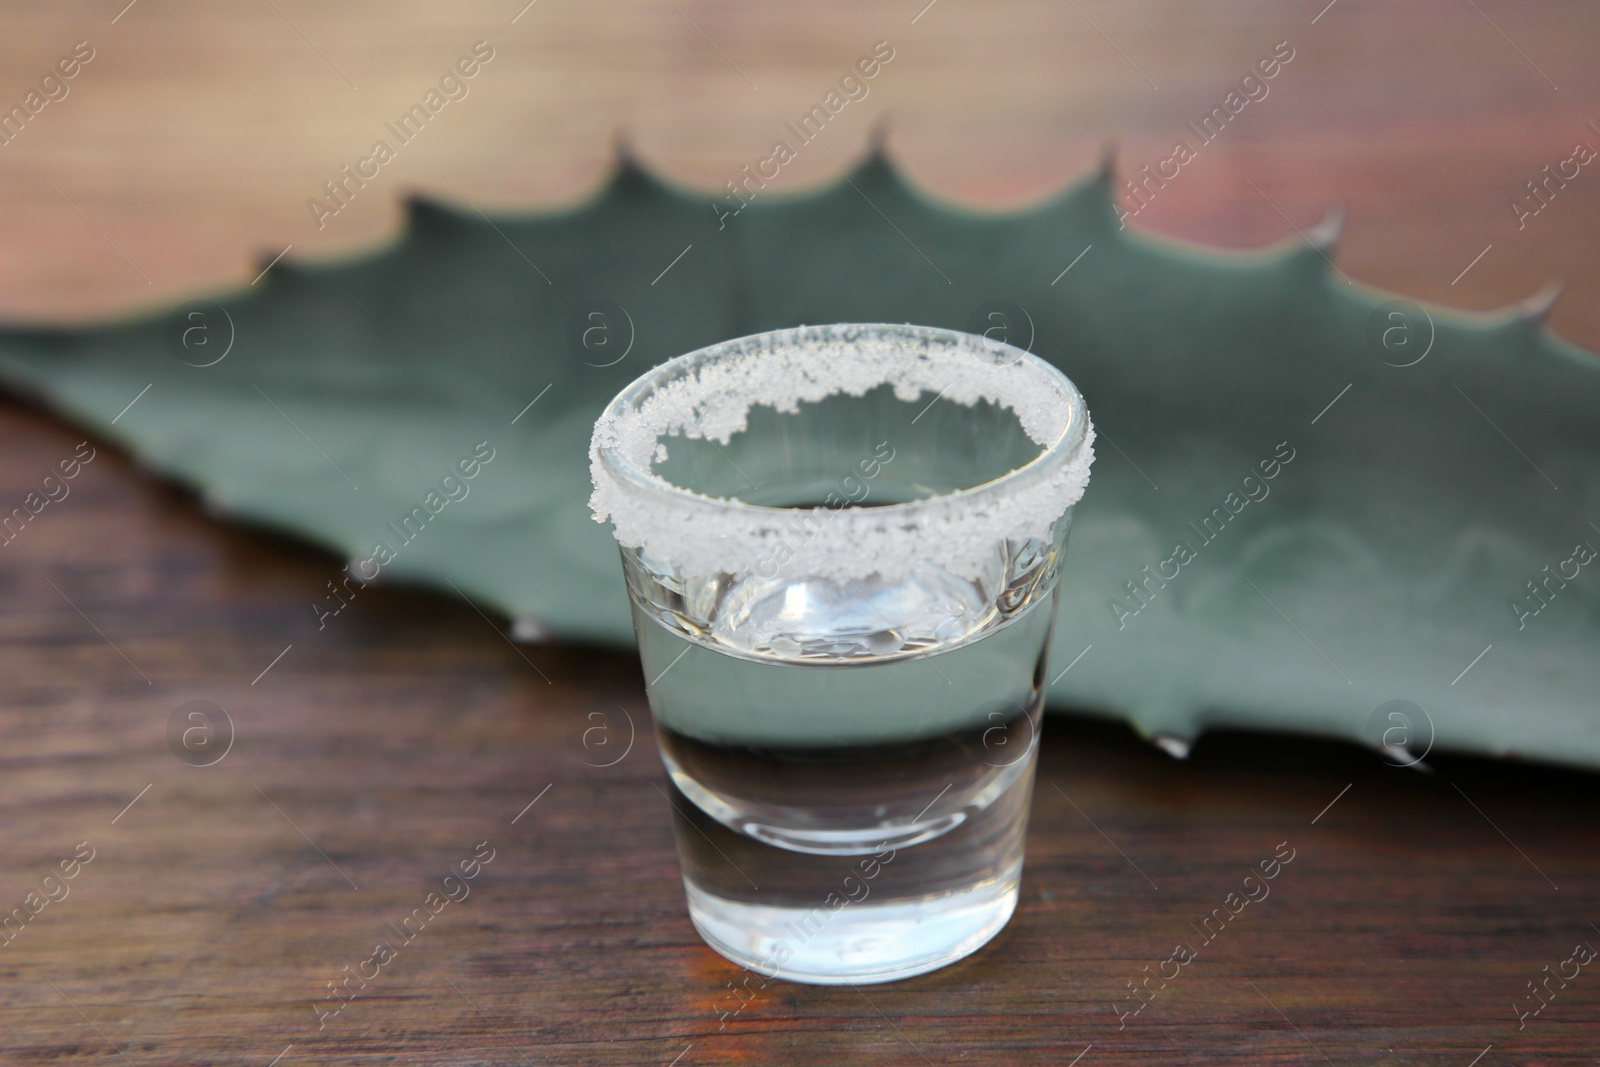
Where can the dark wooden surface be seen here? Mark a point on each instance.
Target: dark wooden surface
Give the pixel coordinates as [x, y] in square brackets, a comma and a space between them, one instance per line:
[378, 752]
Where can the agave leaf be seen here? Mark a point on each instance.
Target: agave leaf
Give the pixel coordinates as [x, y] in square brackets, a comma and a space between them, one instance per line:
[1383, 559]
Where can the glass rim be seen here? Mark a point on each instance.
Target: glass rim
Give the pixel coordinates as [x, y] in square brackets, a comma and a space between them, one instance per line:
[1062, 448]
[1034, 390]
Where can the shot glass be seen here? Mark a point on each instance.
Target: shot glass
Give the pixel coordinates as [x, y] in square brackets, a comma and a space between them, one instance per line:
[842, 545]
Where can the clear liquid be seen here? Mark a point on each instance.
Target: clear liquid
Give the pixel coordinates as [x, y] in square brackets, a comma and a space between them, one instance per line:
[859, 817]
[851, 760]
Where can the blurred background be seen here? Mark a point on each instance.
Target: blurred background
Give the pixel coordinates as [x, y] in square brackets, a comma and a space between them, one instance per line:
[179, 158]
[184, 153]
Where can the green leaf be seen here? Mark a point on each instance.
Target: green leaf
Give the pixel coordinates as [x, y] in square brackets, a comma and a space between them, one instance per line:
[1380, 561]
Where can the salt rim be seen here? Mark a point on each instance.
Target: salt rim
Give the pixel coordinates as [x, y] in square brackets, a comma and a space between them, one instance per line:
[708, 394]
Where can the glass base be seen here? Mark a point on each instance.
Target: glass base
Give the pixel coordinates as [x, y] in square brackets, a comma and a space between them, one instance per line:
[858, 943]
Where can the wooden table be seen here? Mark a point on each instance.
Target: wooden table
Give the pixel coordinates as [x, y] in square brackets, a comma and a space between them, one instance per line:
[369, 758]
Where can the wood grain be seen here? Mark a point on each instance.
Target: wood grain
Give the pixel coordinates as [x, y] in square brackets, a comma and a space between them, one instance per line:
[377, 752]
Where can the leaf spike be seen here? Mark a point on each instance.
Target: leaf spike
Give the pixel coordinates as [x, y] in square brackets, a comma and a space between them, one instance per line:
[1324, 236]
[1174, 745]
[1107, 174]
[1536, 307]
[530, 629]
[875, 166]
[1099, 193]
[622, 148]
[628, 172]
[878, 139]
[422, 212]
[270, 265]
